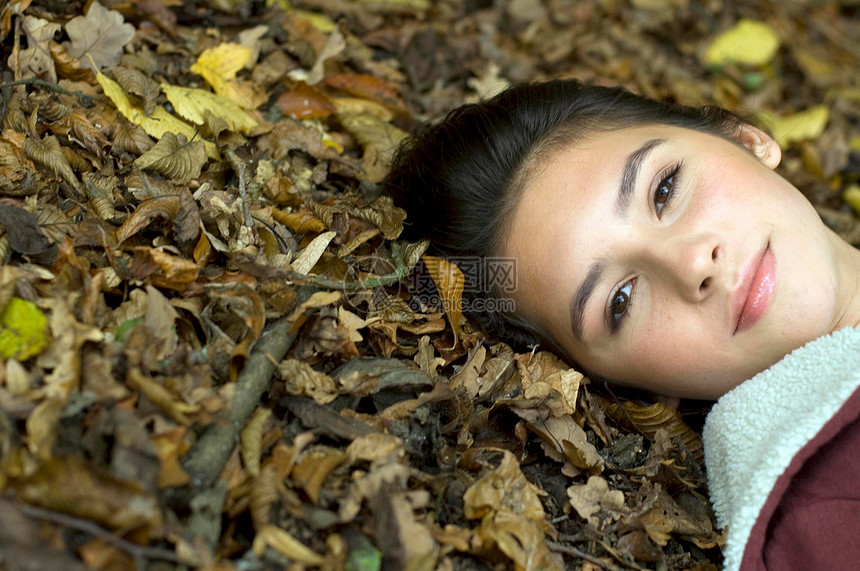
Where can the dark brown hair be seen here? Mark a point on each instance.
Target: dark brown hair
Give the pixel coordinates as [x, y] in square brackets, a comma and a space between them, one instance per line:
[460, 179]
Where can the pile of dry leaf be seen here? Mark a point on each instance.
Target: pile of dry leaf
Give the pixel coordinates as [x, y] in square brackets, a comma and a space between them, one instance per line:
[209, 355]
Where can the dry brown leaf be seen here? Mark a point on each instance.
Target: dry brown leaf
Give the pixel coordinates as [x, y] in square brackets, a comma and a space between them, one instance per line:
[301, 379]
[427, 359]
[313, 468]
[47, 152]
[138, 84]
[589, 499]
[42, 427]
[70, 485]
[649, 419]
[285, 544]
[468, 377]
[305, 102]
[568, 438]
[174, 157]
[264, 493]
[251, 438]
[379, 140]
[162, 269]
[308, 257]
[161, 396]
[375, 446]
[369, 87]
[511, 515]
[99, 35]
[450, 282]
[36, 60]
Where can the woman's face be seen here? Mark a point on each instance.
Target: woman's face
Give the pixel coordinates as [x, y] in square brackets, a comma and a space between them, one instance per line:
[710, 270]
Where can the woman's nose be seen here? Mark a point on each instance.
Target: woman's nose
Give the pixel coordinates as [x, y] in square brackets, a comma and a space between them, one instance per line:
[692, 264]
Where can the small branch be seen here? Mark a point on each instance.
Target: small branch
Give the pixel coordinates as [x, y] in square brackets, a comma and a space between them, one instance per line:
[207, 458]
[573, 551]
[85, 99]
[139, 552]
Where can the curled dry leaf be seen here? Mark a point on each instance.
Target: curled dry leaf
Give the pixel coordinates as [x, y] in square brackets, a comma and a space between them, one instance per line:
[285, 544]
[47, 152]
[136, 83]
[308, 257]
[131, 138]
[264, 493]
[378, 138]
[165, 208]
[175, 157]
[568, 438]
[449, 280]
[252, 440]
[314, 467]
[161, 396]
[649, 419]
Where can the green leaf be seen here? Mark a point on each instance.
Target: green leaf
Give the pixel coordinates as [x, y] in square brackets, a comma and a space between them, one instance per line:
[23, 330]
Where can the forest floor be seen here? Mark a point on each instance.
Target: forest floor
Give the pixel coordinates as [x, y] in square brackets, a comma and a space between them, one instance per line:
[212, 354]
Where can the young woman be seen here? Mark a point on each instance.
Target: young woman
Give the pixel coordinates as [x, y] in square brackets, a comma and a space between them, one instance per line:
[656, 246]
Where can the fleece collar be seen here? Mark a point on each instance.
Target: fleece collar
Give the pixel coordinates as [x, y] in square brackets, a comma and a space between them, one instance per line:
[754, 431]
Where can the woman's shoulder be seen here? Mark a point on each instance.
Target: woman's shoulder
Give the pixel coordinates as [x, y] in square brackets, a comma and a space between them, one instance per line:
[759, 430]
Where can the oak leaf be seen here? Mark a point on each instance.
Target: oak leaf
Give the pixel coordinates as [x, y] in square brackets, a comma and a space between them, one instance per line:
[36, 60]
[101, 34]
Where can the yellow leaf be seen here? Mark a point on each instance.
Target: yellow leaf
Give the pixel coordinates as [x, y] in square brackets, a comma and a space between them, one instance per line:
[852, 197]
[449, 281]
[807, 124]
[23, 330]
[156, 124]
[219, 66]
[192, 105]
[747, 42]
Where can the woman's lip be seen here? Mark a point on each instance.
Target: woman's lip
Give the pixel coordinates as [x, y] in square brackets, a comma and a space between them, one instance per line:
[753, 297]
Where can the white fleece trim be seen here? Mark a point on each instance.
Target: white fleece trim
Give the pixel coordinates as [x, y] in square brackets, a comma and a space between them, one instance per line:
[754, 430]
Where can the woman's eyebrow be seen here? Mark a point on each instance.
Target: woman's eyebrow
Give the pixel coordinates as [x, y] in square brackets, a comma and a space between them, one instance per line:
[622, 202]
[631, 172]
[580, 299]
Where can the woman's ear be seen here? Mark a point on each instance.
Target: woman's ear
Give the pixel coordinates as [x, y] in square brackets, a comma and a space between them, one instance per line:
[760, 144]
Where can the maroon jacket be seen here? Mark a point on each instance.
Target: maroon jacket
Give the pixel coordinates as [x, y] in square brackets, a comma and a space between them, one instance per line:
[783, 457]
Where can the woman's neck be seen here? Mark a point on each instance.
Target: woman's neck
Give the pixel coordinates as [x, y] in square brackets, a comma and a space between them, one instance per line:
[848, 259]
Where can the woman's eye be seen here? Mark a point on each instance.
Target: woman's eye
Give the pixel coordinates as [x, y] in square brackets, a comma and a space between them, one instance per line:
[666, 190]
[619, 305]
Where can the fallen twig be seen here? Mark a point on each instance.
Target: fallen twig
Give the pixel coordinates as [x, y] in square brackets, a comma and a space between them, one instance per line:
[85, 99]
[570, 550]
[207, 458]
[139, 552]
